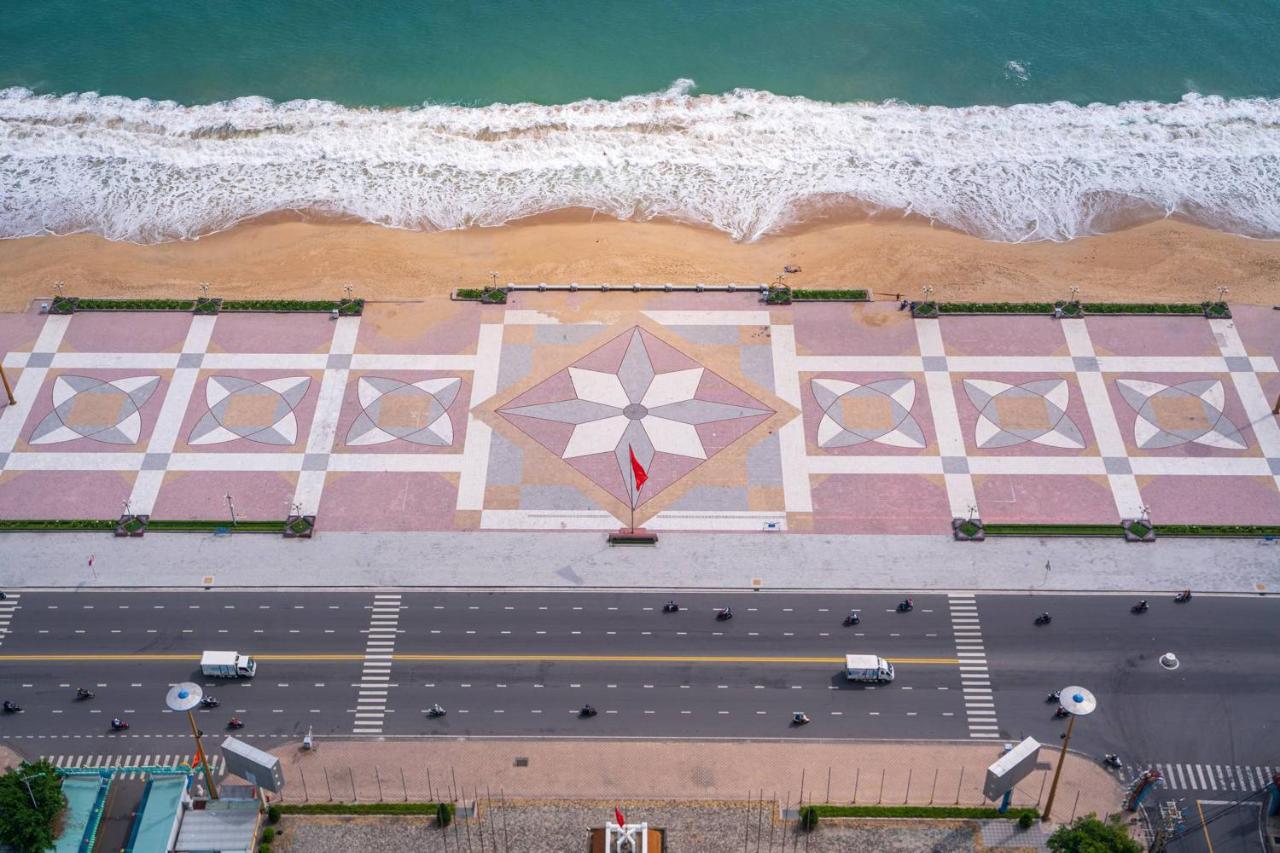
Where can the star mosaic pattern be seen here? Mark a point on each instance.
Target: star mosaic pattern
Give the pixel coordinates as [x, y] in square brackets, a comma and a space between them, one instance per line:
[1170, 415]
[1035, 412]
[615, 405]
[258, 411]
[877, 411]
[417, 412]
[85, 407]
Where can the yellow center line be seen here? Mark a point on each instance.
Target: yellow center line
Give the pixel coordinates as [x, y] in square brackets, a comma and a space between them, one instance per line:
[494, 658]
[1204, 826]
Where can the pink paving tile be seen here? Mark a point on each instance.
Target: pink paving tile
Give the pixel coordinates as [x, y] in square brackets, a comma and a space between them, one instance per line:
[1188, 499]
[919, 412]
[86, 418]
[129, 331]
[1005, 336]
[1259, 328]
[198, 406]
[874, 503]
[434, 328]
[270, 333]
[64, 494]
[1150, 336]
[1024, 413]
[841, 328]
[257, 495]
[1234, 411]
[388, 501]
[413, 406]
[18, 332]
[1050, 499]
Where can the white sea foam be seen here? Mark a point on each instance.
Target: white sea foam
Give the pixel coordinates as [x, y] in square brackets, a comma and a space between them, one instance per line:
[1014, 68]
[746, 162]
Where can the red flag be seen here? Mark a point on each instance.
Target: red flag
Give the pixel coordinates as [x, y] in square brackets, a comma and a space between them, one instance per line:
[617, 813]
[198, 759]
[637, 470]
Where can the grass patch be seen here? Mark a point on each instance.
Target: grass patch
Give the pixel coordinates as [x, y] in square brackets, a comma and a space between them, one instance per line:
[361, 808]
[962, 812]
[344, 307]
[1053, 529]
[1143, 308]
[204, 525]
[995, 307]
[830, 296]
[487, 295]
[136, 305]
[57, 524]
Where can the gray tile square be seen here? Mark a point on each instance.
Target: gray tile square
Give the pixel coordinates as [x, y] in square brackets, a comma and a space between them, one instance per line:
[955, 465]
[155, 462]
[191, 359]
[315, 461]
[1239, 364]
[40, 359]
[934, 362]
[338, 361]
[4, 459]
[1086, 364]
[1117, 465]
[1275, 466]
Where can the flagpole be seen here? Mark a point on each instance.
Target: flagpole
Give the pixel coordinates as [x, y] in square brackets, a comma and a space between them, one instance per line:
[633, 497]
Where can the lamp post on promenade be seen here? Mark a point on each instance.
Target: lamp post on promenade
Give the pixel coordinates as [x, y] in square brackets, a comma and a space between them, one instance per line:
[1079, 703]
[185, 697]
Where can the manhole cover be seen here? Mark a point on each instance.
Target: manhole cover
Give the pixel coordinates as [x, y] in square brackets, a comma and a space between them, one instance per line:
[522, 762]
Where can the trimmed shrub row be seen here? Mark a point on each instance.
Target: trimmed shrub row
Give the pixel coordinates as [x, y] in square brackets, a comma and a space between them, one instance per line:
[206, 525]
[1053, 529]
[1242, 530]
[487, 295]
[963, 812]
[72, 304]
[830, 296]
[136, 305]
[345, 307]
[57, 524]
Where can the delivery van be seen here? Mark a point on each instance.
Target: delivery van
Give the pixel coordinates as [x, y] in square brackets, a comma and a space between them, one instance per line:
[867, 668]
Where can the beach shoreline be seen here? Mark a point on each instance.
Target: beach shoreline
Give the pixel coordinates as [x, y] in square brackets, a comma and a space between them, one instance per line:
[284, 256]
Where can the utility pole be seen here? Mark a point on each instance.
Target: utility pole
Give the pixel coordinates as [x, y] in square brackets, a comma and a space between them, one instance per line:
[8, 389]
[1079, 703]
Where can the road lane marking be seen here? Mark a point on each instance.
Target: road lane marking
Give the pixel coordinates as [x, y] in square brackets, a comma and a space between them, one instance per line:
[476, 658]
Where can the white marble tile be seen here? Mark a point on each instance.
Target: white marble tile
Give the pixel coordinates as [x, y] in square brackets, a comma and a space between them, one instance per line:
[857, 363]
[475, 451]
[265, 361]
[519, 519]
[235, 462]
[1079, 344]
[397, 462]
[709, 318]
[379, 361]
[1202, 466]
[1161, 364]
[74, 462]
[116, 360]
[1009, 364]
[1036, 465]
[25, 390]
[874, 464]
[723, 520]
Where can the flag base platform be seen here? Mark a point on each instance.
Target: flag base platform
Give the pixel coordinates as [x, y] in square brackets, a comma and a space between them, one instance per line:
[633, 536]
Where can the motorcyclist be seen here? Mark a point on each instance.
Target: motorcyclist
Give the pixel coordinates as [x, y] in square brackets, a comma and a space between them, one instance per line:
[436, 710]
[588, 711]
[209, 702]
[1185, 595]
[800, 717]
[235, 722]
[9, 706]
[81, 693]
[1142, 605]
[117, 723]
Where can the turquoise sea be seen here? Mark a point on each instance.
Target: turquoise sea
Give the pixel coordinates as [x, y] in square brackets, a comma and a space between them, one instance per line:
[1010, 119]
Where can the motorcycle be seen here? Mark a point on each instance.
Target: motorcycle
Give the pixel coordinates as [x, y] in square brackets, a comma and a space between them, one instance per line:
[1112, 760]
[799, 718]
[10, 708]
[81, 693]
[671, 607]
[1044, 619]
[853, 618]
[906, 606]
[587, 711]
[1140, 607]
[435, 711]
[235, 723]
[1183, 597]
[209, 702]
[1055, 696]
[724, 615]
[1060, 713]
[119, 725]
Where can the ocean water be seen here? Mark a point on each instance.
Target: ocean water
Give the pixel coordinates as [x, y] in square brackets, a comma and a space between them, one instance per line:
[1007, 119]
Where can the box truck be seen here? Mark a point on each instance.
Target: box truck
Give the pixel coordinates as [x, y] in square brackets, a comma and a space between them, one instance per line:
[228, 665]
[867, 668]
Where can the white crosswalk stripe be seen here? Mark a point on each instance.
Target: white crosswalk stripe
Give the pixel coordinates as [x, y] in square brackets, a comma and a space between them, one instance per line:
[1209, 777]
[7, 608]
[371, 705]
[127, 766]
[975, 678]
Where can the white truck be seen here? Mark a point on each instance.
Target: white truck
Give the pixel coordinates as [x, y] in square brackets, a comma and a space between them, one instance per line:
[228, 665]
[867, 668]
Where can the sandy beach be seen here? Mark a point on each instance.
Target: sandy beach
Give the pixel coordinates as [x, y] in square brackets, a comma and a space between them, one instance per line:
[1161, 261]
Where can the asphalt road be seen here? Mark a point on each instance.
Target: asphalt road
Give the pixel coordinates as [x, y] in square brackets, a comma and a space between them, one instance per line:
[522, 663]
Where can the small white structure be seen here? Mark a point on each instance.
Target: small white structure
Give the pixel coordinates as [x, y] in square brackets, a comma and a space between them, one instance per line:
[627, 838]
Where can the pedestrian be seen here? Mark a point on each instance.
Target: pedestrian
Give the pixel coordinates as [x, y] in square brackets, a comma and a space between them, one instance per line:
[1057, 312]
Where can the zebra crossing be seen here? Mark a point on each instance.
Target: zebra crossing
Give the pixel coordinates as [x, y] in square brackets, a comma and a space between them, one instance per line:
[123, 763]
[1211, 777]
[375, 678]
[975, 678]
[7, 607]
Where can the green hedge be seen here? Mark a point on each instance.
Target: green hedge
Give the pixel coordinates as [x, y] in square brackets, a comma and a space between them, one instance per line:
[1242, 530]
[136, 305]
[57, 524]
[488, 295]
[995, 307]
[830, 296]
[936, 812]
[181, 524]
[1142, 308]
[1053, 529]
[361, 808]
[299, 305]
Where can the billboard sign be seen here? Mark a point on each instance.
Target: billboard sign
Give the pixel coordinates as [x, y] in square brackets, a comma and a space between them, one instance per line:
[1011, 768]
[253, 765]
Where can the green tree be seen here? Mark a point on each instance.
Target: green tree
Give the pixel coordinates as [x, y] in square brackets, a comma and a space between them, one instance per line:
[24, 826]
[1090, 835]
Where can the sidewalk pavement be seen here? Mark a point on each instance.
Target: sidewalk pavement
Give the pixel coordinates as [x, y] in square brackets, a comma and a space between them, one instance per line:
[681, 560]
[842, 772]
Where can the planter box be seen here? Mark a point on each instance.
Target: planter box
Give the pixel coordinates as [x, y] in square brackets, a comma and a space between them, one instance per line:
[299, 526]
[639, 536]
[1138, 530]
[968, 530]
[132, 525]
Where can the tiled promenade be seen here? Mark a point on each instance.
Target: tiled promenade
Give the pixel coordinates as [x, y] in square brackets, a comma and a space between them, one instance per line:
[841, 418]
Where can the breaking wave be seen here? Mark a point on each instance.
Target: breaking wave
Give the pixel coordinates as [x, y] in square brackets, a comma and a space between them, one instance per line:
[746, 162]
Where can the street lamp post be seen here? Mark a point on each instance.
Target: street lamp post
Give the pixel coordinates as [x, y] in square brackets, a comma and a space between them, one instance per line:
[1079, 703]
[185, 697]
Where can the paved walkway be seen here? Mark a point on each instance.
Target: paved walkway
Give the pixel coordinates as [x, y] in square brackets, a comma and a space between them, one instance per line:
[636, 771]
[682, 560]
